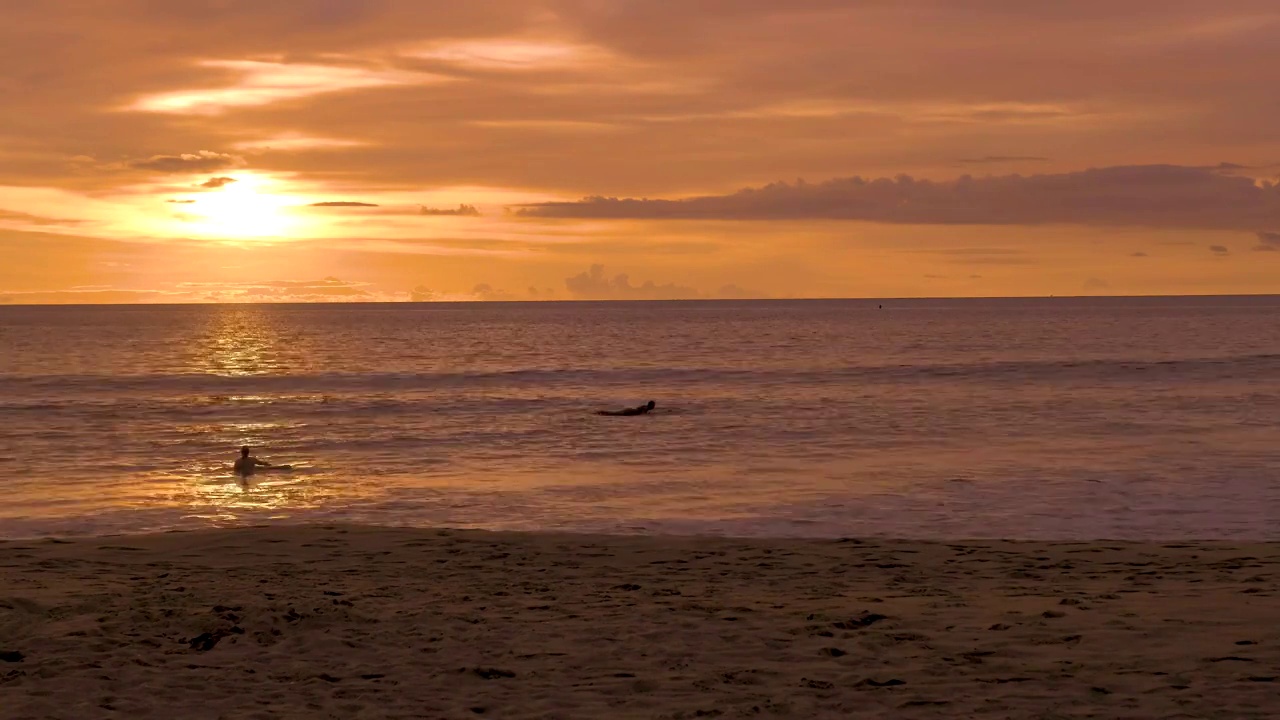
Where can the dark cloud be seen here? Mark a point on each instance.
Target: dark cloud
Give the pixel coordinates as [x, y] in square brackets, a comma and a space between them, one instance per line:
[1169, 196]
[461, 210]
[180, 202]
[1138, 254]
[1268, 242]
[992, 159]
[203, 161]
[1219, 249]
[595, 285]
[217, 182]
[343, 203]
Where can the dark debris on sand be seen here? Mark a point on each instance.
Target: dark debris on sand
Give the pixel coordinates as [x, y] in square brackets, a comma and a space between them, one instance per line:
[866, 619]
[205, 642]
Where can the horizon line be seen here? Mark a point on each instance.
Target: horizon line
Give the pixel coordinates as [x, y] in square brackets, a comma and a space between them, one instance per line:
[869, 299]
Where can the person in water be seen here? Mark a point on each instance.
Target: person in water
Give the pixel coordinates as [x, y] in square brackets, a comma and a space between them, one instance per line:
[628, 412]
[246, 464]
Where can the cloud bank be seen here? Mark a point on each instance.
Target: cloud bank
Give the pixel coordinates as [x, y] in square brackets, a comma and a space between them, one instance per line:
[461, 210]
[595, 284]
[1268, 242]
[1163, 196]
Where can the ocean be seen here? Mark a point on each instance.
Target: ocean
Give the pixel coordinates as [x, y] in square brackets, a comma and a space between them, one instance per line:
[1056, 418]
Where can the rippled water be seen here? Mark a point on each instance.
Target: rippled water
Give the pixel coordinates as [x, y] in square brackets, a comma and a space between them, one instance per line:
[1059, 418]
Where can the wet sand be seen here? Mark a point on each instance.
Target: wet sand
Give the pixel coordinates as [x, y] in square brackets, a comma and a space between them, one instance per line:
[363, 622]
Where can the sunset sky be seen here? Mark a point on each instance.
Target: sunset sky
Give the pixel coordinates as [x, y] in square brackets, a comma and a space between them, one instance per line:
[236, 150]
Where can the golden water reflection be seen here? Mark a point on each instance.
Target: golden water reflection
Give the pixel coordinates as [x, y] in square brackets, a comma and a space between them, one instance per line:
[242, 341]
[210, 491]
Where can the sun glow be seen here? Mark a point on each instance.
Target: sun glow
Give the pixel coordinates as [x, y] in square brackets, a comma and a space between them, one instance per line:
[245, 208]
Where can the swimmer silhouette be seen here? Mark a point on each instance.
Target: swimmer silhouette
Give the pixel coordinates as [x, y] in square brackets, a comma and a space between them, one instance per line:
[246, 464]
[628, 412]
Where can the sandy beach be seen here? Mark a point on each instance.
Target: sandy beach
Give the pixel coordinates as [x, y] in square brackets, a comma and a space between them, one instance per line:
[362, 622]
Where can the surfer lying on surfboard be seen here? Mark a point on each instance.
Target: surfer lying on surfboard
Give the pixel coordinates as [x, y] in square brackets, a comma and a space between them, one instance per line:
[246, 464]
[643, 409]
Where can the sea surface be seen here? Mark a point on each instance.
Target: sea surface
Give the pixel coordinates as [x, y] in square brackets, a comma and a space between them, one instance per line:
[1140, 418]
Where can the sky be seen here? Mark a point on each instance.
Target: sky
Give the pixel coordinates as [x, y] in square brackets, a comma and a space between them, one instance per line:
[344, 150]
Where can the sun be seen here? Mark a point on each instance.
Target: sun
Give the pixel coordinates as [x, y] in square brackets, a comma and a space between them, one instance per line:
[245, 207]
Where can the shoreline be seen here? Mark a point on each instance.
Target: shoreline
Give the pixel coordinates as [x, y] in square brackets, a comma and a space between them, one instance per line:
[372, 621]
[674, 530]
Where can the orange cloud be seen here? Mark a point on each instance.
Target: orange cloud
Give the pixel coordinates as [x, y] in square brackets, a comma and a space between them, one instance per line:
[198, 162]
[296, 142]
[261, 83]
[513, 54]
[23, 218]
[418, 105]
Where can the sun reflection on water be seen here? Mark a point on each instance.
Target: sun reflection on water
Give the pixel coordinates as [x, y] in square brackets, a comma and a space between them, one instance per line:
[210, 491]
[241, 341]
[240, 344]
